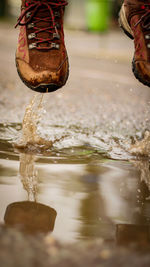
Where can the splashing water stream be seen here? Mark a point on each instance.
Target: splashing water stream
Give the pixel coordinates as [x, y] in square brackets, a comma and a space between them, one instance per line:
[30, 139]
[103, 191]
[31, 118]
[33, 115]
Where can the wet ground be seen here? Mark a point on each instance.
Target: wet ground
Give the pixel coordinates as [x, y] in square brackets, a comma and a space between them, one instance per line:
[82, 169]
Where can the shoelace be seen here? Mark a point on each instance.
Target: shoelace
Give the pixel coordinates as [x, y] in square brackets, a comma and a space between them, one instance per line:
[145, 19]
[28, 14]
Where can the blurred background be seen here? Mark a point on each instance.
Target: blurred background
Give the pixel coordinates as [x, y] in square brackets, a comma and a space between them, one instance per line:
[94, 15]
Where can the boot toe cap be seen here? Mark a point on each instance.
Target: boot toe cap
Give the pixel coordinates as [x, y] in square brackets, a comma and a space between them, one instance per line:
[41, 80]
[141, 70]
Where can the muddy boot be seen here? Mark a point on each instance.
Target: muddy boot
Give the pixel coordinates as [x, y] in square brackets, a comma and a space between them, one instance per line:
[134, 18]
[41, 56]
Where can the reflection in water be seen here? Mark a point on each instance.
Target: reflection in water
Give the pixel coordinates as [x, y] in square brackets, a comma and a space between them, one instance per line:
[117, 202]
[143, 166]
[143, 191]
[31, 217]
[127, 234]
[28, 175]
[92, 209]
[110, 200]
[138, 233]
[94, 196]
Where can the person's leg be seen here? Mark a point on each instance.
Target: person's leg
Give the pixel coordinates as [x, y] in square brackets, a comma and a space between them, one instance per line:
[41, 56]
[135, 20]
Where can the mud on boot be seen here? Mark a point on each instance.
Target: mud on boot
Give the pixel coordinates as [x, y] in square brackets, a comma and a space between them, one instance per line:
[41, 56]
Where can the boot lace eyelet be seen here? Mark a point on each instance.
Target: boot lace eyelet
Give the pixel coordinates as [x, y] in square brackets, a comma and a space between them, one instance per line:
[56, 36]
[57, 25]
[28, 15]
[57, 14]
[33, 45]
[54, 45]
[31, 25]
[147, 36]
[31, 36]
[49, 26]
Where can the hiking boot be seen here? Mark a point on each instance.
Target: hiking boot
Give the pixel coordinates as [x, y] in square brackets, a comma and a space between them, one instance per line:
[134, 18]
[41, 56]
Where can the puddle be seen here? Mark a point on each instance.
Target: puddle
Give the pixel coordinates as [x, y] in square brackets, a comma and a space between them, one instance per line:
[81, 192]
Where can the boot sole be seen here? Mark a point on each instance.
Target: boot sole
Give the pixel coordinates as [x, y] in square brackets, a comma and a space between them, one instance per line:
[44, 88]
[124, 25]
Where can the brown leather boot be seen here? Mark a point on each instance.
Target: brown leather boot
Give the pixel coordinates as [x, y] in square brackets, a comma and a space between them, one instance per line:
[134, 19]
[41, 56]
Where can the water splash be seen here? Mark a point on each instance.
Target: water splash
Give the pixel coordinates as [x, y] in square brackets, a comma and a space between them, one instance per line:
[31, 118]
[31, 142]
[30, 138]
[142, 147]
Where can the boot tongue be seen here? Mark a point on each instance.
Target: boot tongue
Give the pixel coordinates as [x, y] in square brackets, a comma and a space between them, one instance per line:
[43, 13]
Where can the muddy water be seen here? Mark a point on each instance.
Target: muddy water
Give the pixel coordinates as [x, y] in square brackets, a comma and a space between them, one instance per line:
[86, 191]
